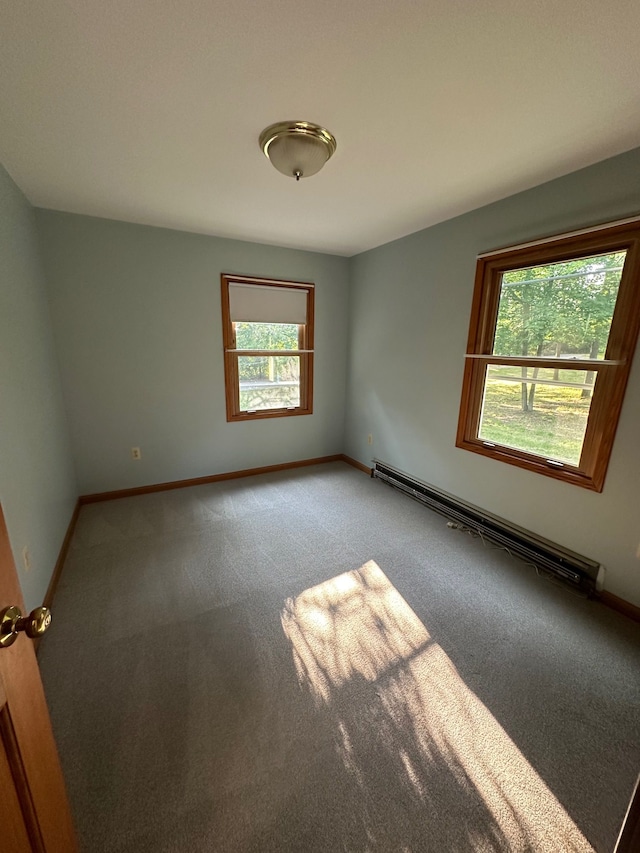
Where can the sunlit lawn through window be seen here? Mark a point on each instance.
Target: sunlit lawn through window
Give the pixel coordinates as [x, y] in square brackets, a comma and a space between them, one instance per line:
[354, 636]
[554, 427]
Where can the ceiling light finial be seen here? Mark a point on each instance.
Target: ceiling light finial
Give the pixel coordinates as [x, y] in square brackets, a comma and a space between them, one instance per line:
[298, 149]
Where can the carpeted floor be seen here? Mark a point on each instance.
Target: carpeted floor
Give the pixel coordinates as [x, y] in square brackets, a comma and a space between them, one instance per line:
[229, 670]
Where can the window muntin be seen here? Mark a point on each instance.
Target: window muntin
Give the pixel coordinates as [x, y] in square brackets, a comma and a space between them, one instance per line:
[552, 334]
[268, 339]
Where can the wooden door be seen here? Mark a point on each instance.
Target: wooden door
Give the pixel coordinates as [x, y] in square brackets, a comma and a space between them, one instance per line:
[34, 811]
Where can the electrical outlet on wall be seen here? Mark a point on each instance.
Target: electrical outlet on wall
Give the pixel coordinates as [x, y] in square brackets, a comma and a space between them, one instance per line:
[369, 439]
[135, 453]
[26, 558]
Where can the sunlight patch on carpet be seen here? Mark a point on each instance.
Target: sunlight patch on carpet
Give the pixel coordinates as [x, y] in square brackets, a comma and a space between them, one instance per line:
[366, 657]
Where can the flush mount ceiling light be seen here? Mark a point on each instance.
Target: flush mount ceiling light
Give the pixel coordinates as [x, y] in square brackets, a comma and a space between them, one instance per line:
[298, 149]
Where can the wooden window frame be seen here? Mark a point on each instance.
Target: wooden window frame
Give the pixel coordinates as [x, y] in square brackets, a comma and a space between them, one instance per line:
[612, 372]
[231, 354]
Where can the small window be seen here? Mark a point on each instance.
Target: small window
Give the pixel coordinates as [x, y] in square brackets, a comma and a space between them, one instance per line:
[268, 347]
[553, 331]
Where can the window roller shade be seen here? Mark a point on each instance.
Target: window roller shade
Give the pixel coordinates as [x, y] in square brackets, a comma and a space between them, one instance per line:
[254, 303]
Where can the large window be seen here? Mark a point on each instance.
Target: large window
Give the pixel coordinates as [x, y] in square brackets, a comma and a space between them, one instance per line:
[553, 330]
[268, 347]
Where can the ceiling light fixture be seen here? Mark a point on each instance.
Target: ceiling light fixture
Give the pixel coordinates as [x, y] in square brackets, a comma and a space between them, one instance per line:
[298, 149]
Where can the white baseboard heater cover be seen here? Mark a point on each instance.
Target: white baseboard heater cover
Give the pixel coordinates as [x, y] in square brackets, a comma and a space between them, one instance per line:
[566, 565]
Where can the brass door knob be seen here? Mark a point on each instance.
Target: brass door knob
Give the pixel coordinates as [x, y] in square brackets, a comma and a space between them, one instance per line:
[12, 622]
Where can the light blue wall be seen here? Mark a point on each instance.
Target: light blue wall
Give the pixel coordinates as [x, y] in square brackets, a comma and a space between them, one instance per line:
[136, 315]
[410, 302]
[37, 479]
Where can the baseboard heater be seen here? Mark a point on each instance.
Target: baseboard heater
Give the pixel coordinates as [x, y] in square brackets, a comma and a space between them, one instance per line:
[574, 569]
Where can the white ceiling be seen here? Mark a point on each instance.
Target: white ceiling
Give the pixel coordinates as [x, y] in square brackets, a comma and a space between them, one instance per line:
[150, 110]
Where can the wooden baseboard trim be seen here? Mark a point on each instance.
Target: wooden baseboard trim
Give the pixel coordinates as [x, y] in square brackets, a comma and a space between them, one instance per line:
[354, 462]
[57, 569]
[62, 556]
[619, 604]
[202, 481]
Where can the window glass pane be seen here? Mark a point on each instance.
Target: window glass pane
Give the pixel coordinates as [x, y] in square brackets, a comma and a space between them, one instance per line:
[266, 336]
[538, 410]
[560, 309]
[269, 382]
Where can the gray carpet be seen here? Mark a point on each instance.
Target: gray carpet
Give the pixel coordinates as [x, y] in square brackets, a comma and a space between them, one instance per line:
[225, 673]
